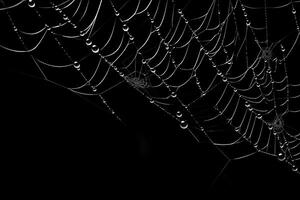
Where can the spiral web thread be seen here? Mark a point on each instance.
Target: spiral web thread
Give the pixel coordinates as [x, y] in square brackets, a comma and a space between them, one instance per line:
[220, 74]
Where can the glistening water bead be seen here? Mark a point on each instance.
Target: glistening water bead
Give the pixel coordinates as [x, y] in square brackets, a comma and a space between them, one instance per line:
[281, 156]
[178, 114]
[125, 27]
[183, 124]
[88, 42]
[237, 129]
[31, 3]
[95, 49]
[76, 65]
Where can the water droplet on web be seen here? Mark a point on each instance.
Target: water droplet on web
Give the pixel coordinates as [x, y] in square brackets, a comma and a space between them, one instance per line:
[282, 48]
[245, 14]
[247, 104]
[117, 13]
[237, 129]
[183, 124]
[224, 79]
[270, 127]
[76, 65]
[151, 101]
[281, 156]
[179, 11]
[82, 33]
[31, 3]
[94, 89]
[294, 11]
[88, 42]
[173, 95]
[125, 27]
[259, 116]
[294, 168]
[144, 61]
[95, 49]
[65, 17]
[250, 109]
[152, 70]
[178, 114]
[248, 23]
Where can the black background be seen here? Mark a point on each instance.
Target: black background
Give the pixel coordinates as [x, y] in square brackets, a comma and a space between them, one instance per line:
[54, 139]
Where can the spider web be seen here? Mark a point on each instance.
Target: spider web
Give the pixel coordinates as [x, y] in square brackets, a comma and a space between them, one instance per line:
[220, 72]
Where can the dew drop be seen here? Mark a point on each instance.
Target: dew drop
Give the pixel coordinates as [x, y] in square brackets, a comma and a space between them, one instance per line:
[294, 11]
[179, 11]
[250, 109]
[88, 42]
[281, 156]
[248, 23]
[125, 27]
[183, 124]
[178, 114]
[152, 70]
[237, 129]
[94, 89]
[144, 61]
[31, 3]
[117, 13]
[270, 127]
[259, 116]
[294, 168]
[282, 48]
[82, 33]
[76, 65]
[95, 49]
[151, 101]
[173, 95]
[65, 17]
[224, 79]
